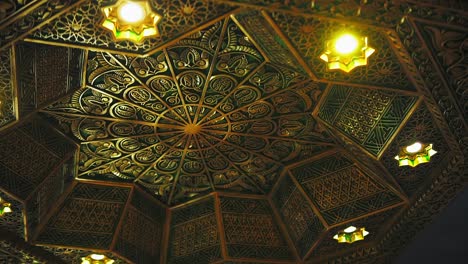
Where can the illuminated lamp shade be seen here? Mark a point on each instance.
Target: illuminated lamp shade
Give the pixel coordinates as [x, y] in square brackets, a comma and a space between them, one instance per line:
[131, 20]
[96, 259]
[351, 234]
[415, 154]
[346, 52]
[5, 207]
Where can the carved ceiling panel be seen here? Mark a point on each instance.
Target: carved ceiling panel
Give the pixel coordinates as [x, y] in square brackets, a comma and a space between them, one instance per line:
[369, 117]
[303, 224]
[210, 101]
[87, 218]
[341, 191]
[194, 234]
[251, 231]
[28, 154]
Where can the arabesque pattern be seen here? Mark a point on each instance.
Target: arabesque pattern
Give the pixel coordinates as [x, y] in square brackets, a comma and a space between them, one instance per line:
[207, 113]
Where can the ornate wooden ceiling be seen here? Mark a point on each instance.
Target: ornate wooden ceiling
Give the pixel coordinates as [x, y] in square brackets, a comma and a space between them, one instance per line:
[225, 139]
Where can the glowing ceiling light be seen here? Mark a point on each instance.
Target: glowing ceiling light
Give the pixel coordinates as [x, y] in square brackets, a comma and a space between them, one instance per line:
[131, 20]
[132, 12]
[346, 44]
[415, 154]
[351, 234]
[96, 259]
[5, 207]
[346, 52]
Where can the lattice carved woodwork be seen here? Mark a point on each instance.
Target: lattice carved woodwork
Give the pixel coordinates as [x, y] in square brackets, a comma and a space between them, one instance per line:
[81, 26]
[251, 231]
[140, 236]
[194, 234]
[341, 190]
[309, 36]
[369, 117]
[87, 218]
[8, 103]
[28, 154]
[45, 196]
[46, 73]
[24, 163]
[205, 114]
[303, 225]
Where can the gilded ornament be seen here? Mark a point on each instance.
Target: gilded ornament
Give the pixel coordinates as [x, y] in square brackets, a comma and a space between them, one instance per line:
[346, 53]
[415, 154]
[131, 20]
[351, 234]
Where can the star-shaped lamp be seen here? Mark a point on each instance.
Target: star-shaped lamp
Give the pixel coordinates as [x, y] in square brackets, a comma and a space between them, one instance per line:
[415, 154]
[351, 234]
[346, 52]
[5, 207]
[131, 20]
[96, 259]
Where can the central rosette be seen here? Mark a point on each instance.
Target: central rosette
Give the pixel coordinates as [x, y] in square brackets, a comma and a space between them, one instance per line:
[192, 127]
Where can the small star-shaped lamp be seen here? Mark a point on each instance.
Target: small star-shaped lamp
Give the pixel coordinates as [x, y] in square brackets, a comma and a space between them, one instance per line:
[5, 207]
[346, 52]
[96, 259]
[351, 234]
[131, 20]
[415, 154]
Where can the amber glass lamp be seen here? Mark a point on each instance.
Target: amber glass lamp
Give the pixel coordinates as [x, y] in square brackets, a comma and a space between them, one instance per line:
[346, 52]
[415, 154]
[351, 234]
[96, 259]
[131, 20]
[5, 207]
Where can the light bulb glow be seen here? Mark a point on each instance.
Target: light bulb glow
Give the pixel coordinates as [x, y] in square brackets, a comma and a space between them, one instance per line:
[346, 44]
[97, 256]
[350, 229]
[414, 147]
[346, 52]
[131, 12]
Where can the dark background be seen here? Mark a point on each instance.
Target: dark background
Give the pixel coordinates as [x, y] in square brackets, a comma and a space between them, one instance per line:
[445, 240]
